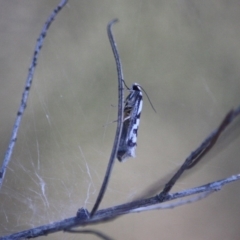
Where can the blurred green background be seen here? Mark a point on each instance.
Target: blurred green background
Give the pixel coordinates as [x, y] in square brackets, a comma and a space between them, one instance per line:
[186, 55]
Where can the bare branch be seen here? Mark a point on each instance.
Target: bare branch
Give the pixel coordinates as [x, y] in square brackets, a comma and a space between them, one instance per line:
[111, 213]
[120, 117]
[179, 203]
[201, 151]
[27, 87]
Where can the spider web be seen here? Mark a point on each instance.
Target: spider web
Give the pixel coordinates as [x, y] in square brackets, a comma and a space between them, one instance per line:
[184, 55]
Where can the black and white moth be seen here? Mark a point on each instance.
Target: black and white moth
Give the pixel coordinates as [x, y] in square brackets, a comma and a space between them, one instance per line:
[131, 119]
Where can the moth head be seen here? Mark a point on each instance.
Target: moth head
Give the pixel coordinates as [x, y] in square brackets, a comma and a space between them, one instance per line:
[136, 87]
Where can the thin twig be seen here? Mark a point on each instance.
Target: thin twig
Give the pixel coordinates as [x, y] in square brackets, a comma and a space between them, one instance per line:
[111, 213]
[201, 151]
[120, 118]
[26, 91]
[179, 203]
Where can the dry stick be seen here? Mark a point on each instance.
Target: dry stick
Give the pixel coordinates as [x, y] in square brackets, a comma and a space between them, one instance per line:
[213, 140]
[26, 91]
[120, 118]
[200, 152]
[113, 212]
[116, 211]
[174, 204]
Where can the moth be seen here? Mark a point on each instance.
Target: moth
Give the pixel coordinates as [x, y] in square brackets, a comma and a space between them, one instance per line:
[131, 119]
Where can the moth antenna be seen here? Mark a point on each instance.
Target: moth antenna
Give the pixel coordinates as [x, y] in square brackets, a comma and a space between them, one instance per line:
[149, 100]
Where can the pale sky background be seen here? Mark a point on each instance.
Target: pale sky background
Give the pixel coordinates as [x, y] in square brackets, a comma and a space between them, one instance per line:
[186, 55]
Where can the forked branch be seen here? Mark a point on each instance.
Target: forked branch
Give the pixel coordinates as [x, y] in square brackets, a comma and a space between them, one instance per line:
[83, 217]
